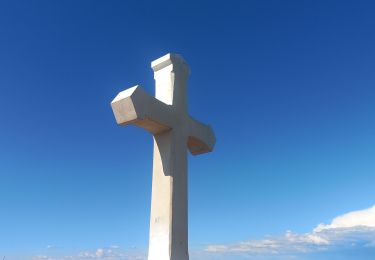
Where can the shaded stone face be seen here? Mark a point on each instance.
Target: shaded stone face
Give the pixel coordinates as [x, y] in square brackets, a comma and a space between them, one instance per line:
[165, 116]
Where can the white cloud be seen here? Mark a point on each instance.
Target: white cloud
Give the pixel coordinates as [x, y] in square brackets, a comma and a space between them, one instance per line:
[355, 228]
[365, 218]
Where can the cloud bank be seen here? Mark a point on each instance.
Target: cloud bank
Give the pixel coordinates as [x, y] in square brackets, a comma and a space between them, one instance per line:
[349, 232]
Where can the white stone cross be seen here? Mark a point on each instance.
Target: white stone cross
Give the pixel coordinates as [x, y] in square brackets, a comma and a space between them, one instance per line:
[174, 131]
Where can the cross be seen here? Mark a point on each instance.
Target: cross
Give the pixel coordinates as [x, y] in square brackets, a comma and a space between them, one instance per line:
[166, 117]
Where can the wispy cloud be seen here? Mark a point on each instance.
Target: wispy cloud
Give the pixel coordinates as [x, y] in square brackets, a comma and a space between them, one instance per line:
[108, 253]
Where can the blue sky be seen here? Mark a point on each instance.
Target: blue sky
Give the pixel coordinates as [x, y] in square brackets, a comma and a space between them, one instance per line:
[287, 85]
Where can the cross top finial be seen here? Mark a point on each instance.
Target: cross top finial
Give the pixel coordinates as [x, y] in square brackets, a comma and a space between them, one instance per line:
[170, 59]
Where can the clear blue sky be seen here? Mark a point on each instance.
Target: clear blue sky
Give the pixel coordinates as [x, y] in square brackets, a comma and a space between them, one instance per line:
[289, 87]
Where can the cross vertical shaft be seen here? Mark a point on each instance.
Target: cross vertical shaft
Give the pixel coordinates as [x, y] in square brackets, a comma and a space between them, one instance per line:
[168, 221]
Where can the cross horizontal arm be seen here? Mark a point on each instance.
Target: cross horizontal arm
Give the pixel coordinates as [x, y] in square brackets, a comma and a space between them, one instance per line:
[201, 138]
[135, 106]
